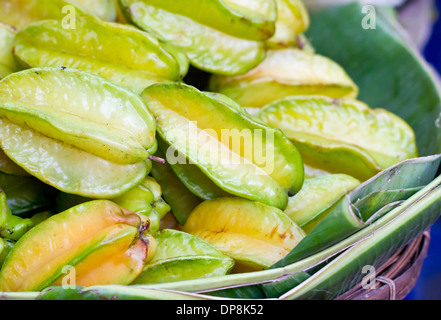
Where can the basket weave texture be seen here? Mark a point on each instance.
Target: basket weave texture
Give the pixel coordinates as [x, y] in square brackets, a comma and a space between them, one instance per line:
[397, 277]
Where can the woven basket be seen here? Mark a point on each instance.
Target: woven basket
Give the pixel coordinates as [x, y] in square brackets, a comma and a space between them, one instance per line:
[397, 277]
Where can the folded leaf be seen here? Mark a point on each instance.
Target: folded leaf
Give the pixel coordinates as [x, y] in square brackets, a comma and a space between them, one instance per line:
[355, 211]
[346, 270]
[110, 292]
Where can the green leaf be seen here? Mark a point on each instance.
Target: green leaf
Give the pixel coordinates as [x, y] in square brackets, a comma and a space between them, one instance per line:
[111, 292]
[391, 75]
[423, 208]
[388, 69]
[357, 210]
[346, 270]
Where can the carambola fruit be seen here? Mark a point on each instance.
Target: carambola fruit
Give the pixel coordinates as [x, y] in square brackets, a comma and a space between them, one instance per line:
[252, 233]
[182, 256]
[292, 22]
[283, 73]
[98, 242]
[239, 155]
[5, 248]
[10, 167]
[76, 131]
[12, 227]
[342, 135]
[146, 201]
[20, 13]
[119, 53]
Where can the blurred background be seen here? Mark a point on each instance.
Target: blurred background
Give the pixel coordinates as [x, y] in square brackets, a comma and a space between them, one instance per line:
[422, 20]
[427, 35]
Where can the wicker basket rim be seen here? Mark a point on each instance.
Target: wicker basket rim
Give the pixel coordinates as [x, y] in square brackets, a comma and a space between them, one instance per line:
[397, 276]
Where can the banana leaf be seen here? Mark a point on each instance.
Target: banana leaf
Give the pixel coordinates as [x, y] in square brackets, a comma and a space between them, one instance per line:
[345, 271]
[391, 74]
[115, 292]
[365, 204]
[414, 216]
[386, 66]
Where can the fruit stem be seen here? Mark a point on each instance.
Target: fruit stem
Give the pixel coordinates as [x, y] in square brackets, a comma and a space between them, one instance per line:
[157, 159]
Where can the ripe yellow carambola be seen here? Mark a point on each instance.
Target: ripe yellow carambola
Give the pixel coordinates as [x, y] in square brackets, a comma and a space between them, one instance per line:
[98, 240]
